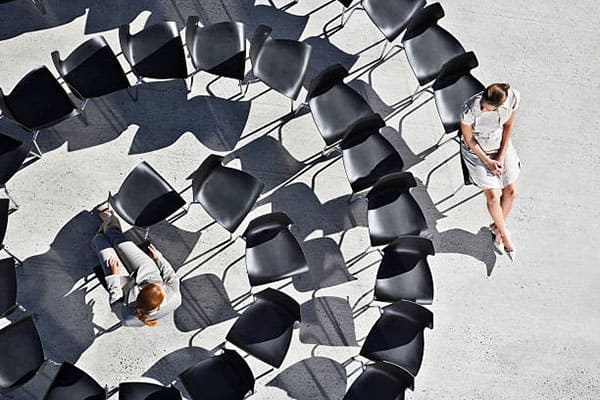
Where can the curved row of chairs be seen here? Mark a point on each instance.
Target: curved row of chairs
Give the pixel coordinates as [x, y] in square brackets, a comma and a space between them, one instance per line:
[346, 123]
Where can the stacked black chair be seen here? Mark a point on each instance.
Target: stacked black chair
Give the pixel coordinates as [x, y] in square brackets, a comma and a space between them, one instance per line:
[4, 211]
[155, 52]
[145, 198]
[265, 328]
[38, 3]
[13, 153]
[381, 381]
[147, 391]
[226, 194]
[71, 383]
[219, 49]
[335, 106]
[280, 63]
[91, 70]
[37, 102]
[223, 377]
[272, 252]
[8, 287]
[367, 155]
[392, 211]
[404, 272]
[22, 354]
[428, 46]
[397, 336]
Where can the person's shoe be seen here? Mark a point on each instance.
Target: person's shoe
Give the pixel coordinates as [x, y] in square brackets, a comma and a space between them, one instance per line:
[510, 251]
[496, 240]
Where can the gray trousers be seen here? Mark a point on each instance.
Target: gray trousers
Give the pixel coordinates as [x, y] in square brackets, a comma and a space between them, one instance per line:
[113, 243]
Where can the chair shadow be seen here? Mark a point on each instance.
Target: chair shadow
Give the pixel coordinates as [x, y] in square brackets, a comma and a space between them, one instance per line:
[204, 303]
[174, 243]
[312, 378]
[324, 54]
[327, 321]
[163, 114]
[50, 284]
[168, 368]
[327, 266]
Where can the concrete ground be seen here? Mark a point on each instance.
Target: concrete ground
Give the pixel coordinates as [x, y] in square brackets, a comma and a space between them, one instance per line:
[503, 330]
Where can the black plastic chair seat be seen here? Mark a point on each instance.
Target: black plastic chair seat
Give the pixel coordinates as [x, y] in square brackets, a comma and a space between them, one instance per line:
[404, 273]
[155, 52]
[147, 391]
[265, 328]
[226, 194]
[281, 64]
[22, 354]
[397, 336]
[13, 153]
[223, 377]
[71, 383]
[453, 87]
[392, 16]
[367, 155]
[145, 198]
[38, 101]
[272, 252]
[335, 106]
[92, 69]
[392, 211]
[219, 49]
[428, 46]
[8, 286]
[381, 381]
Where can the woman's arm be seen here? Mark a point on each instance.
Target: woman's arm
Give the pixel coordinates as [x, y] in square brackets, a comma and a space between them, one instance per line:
[506, 135]
[469, 138]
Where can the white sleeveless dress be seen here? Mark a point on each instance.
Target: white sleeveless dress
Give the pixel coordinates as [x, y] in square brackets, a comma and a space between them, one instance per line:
[487, 129]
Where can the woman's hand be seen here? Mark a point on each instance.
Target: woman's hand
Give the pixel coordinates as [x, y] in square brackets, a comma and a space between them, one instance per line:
[494, 166]
[154, 253]
[115, 265]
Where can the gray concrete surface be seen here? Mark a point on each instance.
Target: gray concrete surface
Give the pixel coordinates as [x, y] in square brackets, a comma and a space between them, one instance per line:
[523, 330]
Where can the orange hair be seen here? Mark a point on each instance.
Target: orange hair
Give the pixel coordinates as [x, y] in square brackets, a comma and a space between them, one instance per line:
[150, 297]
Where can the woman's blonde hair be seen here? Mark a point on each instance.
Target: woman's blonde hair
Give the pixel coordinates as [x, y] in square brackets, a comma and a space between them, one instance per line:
[496, 94]
[149, 298]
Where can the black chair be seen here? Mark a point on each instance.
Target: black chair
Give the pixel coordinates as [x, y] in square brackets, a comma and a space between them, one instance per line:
[219, 49]
[381, 381]
[367, 155]
[22, 354]
[223, 377]
[13, 153]
[8, 287]
[226, 194]
[147, 391]
[404, 272]
[280, 63]
[91, 70]
[39, 4]
[155, 52]
[145, 198]
[272, 252]
[4, 212]
[392, 211]
[397, 336]
[71, 383]
[335, 106]
[391, 17]
[38, 101]
[428, 46]
[265, 328]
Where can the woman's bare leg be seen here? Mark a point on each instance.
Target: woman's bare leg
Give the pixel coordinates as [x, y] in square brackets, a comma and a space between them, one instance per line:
[493, 205]
[508, 198]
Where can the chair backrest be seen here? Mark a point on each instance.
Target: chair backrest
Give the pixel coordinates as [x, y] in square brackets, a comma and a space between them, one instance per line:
[423, 20]
[362, 129]
[147, 391]
[73, 383]
[38, 101]
[4, 209]
[261, 35]
[397, 182]
[199, 176]
[8, 286]
[381, 380]
[326, 79]
[267, 222]
[413, 244]
[282, 300]
[22, 354]
[12, 154]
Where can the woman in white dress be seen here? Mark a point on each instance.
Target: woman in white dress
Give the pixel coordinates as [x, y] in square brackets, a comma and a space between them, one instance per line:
[487, 123]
